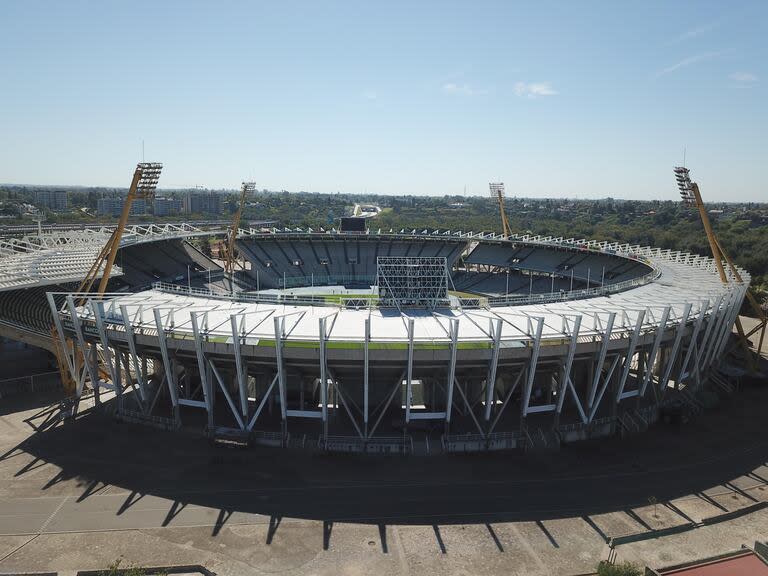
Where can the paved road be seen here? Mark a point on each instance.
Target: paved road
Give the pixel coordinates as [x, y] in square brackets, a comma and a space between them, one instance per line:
[175, 497]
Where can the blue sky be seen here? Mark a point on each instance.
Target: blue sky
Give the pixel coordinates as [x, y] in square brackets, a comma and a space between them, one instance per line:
[586, 99]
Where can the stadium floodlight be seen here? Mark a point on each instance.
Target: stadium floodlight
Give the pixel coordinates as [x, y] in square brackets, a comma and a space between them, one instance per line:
[150, 175]
[497, 193]
[684, 184]
[249, 186]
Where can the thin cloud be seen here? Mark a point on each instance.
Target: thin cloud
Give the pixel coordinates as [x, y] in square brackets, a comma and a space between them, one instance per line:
[743, 77]
[694, 33]
[534, 89]
[370, 95]
[690, 61]
[465, 89]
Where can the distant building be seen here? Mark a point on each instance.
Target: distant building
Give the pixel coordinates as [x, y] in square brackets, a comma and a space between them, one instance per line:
[114, 207]
[53, 199]
[167, 206]
[202, 203]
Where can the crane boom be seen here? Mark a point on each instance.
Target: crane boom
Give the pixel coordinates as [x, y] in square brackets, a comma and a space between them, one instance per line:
[497, 193]
[230, 254]
[689, 191]
[143, 185]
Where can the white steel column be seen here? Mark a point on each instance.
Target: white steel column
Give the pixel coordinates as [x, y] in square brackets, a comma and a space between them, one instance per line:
[601, 360]
[170, 374]
[490, 383]
[604, 387]
[630, 353]
[733, 310]
[739, 299]
[81, 341]
[60, 331]
[532, 367]
[203, 369]
[675, 347]
[261, 404]
[278, 323]
[693, 343]
[239, 365]
[717, 331]
[114, 366]
[711, 321]
[566, 383]
[323, 380]
[660, 331]
[453, 328]
[227, 396]
[408, 381]
[134, 355]
[365, 374]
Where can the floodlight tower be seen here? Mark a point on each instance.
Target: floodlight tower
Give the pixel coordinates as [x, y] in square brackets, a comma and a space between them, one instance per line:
[143, 186]
[497, 192]
[690, 195]
[229, 260]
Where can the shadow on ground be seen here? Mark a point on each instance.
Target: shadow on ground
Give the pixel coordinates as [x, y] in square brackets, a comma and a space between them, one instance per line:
[582, 479]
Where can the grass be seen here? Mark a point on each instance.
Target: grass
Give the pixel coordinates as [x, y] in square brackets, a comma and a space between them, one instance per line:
[623, 569]
[460, 294]
[130, 570]
[338, 298]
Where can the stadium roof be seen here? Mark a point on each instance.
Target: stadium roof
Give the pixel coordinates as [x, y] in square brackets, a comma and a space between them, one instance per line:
[66, 256]
[682, 281]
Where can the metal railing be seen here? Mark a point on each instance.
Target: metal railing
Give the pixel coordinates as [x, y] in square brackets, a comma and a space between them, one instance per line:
[541, 298]
[339, 300]
[33, 383]
[326, 280]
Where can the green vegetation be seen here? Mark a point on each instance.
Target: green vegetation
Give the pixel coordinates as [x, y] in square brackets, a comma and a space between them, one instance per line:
[130, 570]
[623, 569]
[339, 298]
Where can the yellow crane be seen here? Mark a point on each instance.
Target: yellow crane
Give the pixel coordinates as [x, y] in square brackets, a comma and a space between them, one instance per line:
[230, 250]
[143, 186]
[497, 192]
[691, 196]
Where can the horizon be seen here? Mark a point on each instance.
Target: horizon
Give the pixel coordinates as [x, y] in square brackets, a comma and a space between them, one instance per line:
[78, 187]
[409, 100]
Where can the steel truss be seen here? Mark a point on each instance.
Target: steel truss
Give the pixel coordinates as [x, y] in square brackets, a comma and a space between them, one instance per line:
[270, 370]
[632, 362]
[412, 281]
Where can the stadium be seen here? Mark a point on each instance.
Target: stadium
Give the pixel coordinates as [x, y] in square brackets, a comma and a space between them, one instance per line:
[363, 340]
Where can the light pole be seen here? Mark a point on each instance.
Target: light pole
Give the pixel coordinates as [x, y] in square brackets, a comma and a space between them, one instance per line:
[507, 293]
[189, 280]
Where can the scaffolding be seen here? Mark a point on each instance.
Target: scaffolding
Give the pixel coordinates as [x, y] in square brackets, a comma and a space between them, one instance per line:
[412, 281]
